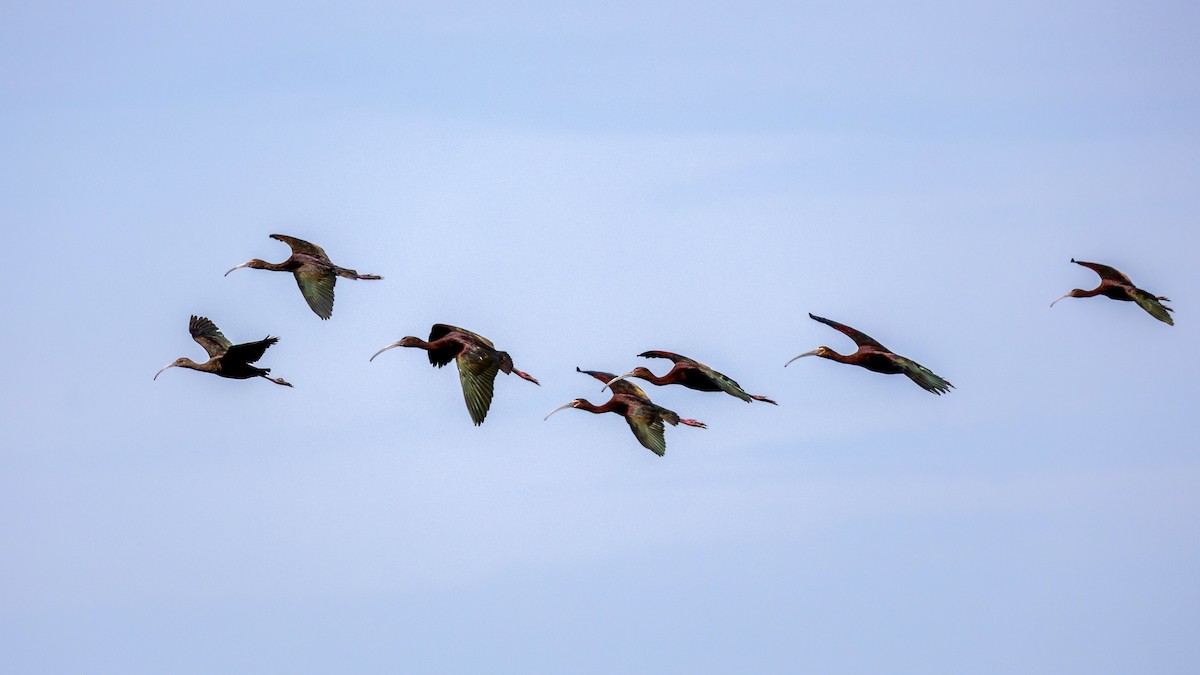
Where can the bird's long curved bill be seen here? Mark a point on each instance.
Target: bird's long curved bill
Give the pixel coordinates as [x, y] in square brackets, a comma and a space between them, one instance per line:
[162, 369]
[812, 353]
[394, 344]
[615, 380]
[561, 407]
[237, 267]
[1060, 298]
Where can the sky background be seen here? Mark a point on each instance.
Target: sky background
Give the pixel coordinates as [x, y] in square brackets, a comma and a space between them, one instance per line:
[581, 182]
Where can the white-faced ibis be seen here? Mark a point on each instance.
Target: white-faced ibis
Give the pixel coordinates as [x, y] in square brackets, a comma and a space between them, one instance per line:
[644, 418]
[875, 357]
[477, 358]
[315, 273]
[225, 358]
[693, 375]
[1117, 286]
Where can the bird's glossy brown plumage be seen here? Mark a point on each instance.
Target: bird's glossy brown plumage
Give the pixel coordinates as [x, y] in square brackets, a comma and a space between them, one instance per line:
[875, 357]
[225, 358]
[315, 274]
[477, 358]
[645, 418]
[693, 375]
[1117, 286]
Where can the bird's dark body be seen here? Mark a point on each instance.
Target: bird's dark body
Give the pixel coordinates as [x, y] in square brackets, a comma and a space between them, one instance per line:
[477, 358]
[315, 273]
[645, 418]
[692, 374]
[225, 358]
[1114, 285]
[872, 355]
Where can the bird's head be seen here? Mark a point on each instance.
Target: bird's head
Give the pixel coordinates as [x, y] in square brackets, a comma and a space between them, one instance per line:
[577, 403]
[181, 362]
[821, 351]
[1075, 293]
[641, 371]
[409, 341]
[255, 264]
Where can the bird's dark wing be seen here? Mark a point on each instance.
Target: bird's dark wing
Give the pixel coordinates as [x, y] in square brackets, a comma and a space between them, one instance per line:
[316, 285]
[1105, 272]
[441, 330]
[477, 370]
[206, 334]
[922, 375]
[647, 426]
[623, 387]
[449, 349]
[1150, 303]
[301, 246]
[249, 352]
[860, 338]
[675, 358]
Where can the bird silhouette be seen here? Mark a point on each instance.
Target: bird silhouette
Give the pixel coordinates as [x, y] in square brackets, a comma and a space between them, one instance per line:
[315, 273]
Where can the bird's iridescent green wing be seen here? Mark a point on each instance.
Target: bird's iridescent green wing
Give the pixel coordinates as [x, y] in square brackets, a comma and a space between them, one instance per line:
[648, 428]
[1151, 304]
[622, 387]
[249, 352]
[727, 384]
[1105, 272]
[860, 338]
[205, 333]
[301, 246]
[477, 370]
[922, 375]
[316, 285]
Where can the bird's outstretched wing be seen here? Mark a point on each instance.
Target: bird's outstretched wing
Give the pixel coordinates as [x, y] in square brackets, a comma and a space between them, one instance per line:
[249, 352]
[648, 428]
[441, 330]
[316, 285]
[301, 246]
[206, 334]
[674, 358]
[922, 376]
[1105, 272]
[1151, 304]
[477, 370]
[860, 338]
[447, 353]
[622, 387]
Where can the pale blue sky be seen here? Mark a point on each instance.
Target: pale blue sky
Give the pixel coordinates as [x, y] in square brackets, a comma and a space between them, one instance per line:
[582, 184]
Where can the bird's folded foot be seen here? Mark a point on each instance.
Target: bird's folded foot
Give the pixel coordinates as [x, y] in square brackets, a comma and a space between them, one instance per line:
[693, 423]
[280, 380]
[764, 399]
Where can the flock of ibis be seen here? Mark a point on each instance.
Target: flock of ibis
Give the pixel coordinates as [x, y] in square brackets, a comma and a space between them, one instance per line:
[479, 361]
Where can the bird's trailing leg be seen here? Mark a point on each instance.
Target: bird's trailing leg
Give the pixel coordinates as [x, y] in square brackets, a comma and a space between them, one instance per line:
[276, 380]
[693, 423]
[351, 274]
[764, 399]
[526, 376]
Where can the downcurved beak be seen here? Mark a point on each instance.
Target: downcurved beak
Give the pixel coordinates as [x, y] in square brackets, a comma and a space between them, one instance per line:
[1060, 298]
[812, 353]
[615, 380]
[561, 407]
[394, 344]
[162, 369]
[237, 267]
